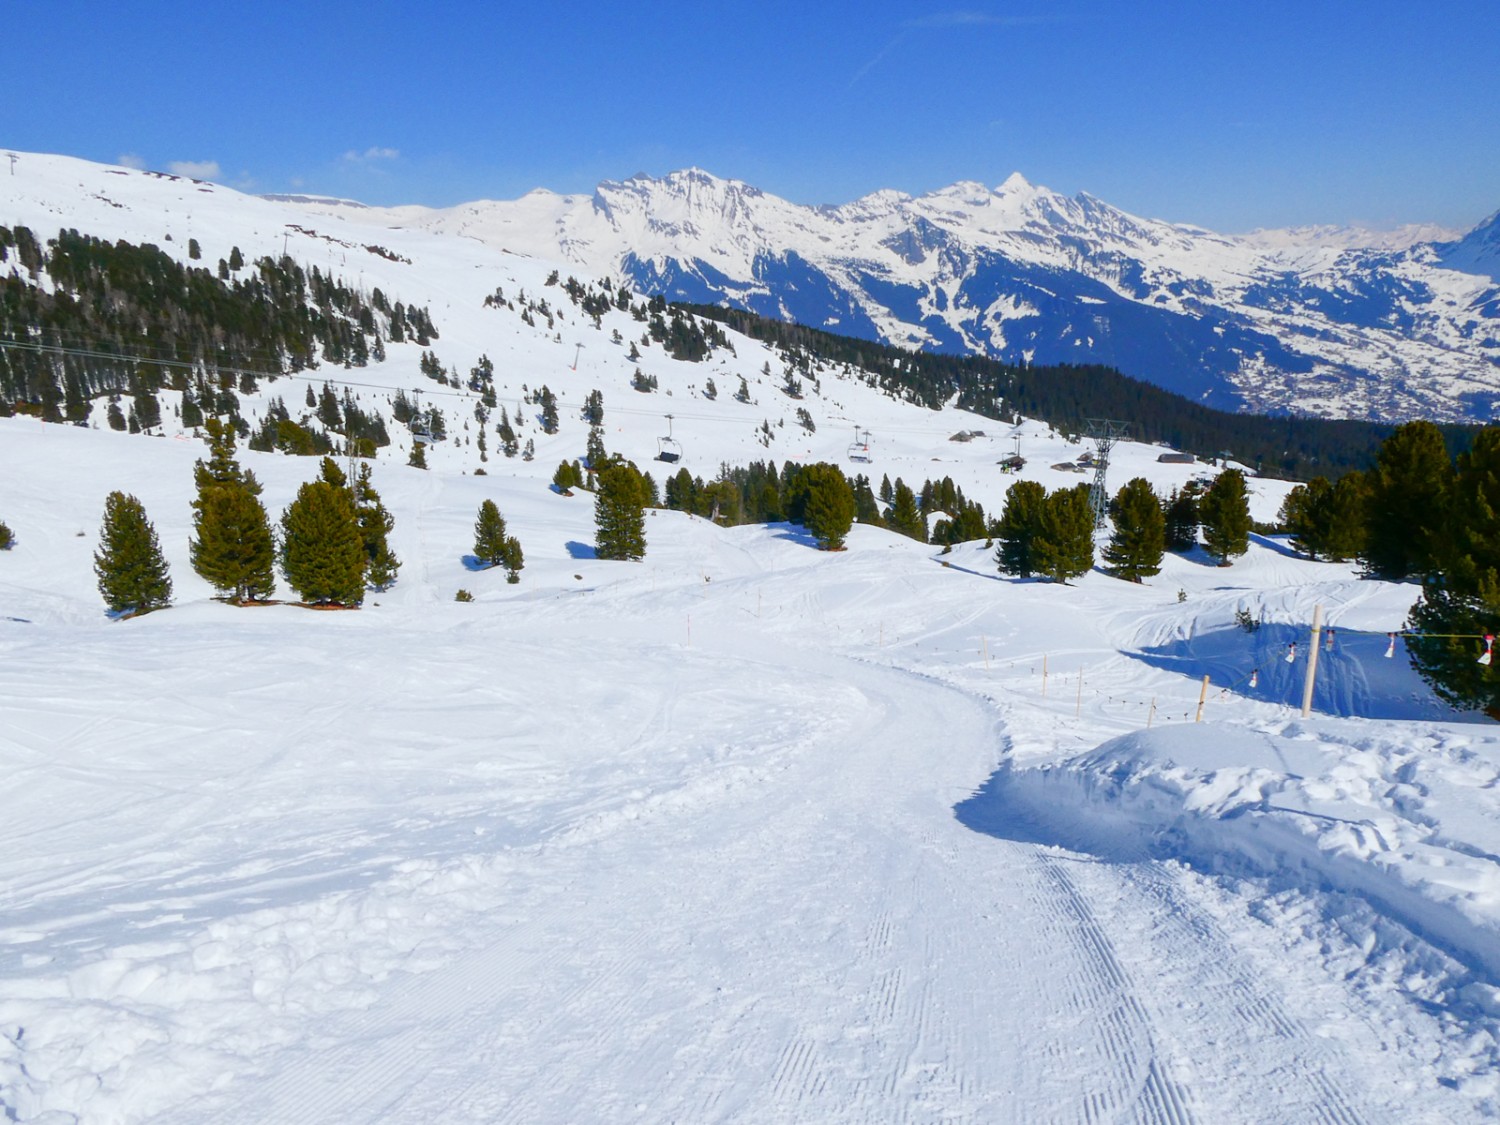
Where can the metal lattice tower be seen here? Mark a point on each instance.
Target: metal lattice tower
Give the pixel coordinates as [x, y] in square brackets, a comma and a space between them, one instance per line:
[1104, 432]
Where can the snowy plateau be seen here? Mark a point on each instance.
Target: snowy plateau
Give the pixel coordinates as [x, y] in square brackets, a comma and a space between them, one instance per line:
[742, 832]
[1336, 322]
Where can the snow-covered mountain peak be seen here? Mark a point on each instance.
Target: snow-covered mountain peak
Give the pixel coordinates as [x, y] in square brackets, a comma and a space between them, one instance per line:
[1478, 251]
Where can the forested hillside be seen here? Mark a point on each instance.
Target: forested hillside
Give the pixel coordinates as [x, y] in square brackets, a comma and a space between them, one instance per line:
[82, 318]
[1066, 396]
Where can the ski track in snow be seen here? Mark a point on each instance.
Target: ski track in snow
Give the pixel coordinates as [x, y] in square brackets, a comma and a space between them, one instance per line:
[777, 957]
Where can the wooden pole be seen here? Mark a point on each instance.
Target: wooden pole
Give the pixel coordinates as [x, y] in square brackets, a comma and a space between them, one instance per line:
[1078, 707]
[1312, 662]
[1202, 697]
[1044, 675]
[1151, 714]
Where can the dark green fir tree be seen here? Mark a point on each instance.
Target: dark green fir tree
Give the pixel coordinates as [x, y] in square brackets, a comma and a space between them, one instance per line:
[322, 551]
[132, 571]
[1064, 543]
[232, 547]
[1181, 511]
[1407, 509]
[1225, 515]
[489, 535]
[620, 512]
[1017, 528]
[830, 505]
[904, 515]
[375, 526]
[1139, 540]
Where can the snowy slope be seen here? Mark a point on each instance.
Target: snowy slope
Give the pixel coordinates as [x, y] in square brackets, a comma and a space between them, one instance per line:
[742, 832]
[1328, 321]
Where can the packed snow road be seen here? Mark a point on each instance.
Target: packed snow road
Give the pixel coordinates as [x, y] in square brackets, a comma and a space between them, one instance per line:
[803, 930]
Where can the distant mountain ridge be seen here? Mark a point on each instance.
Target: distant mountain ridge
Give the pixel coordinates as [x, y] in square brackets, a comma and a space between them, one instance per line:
[1337, 322]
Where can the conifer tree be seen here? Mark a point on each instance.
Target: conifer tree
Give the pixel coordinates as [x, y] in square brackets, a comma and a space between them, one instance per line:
[1225, 512]
[1461, 602]
[232, 547]
[1301, 515]
[866, 510]
[513, 560]
[417, 458]
[7, 537]
[375, 526]
[619, 512]
[904, 515]
[548, 402]
[1409, 490]
[594, 451]
[1345, 517]
[489, 535]
[132, 571]
[322, 552]
[563, 480]
[222, 467]
[1064, 543]
[509, 444]
[830, 505]
[1181, 510]
[1017, 528]
[1140, 534]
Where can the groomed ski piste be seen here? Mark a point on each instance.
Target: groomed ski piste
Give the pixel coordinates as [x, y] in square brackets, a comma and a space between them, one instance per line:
[744, 831]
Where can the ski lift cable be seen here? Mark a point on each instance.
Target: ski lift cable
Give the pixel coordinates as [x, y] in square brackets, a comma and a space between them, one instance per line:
[318, 380]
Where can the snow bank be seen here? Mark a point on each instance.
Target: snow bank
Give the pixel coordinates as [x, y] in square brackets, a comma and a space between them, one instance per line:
[1406, 819]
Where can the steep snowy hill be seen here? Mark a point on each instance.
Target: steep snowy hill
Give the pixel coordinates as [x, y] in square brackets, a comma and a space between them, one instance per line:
[1337, 323]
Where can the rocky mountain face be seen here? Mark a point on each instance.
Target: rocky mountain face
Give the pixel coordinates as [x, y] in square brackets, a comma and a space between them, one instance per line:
[1328, 321]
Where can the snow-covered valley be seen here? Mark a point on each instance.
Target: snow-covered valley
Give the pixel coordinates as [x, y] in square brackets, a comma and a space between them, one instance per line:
[744, 831]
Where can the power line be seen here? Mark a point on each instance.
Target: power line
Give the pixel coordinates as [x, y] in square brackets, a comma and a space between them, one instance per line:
[304, 377]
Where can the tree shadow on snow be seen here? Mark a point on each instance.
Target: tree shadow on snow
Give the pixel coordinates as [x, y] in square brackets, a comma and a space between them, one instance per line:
[472, 563]
[577, 550]
[1276, 543]
[1354, 677]
[795, 533]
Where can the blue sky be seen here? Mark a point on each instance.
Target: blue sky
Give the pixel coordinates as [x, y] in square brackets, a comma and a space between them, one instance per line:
[1230, 114]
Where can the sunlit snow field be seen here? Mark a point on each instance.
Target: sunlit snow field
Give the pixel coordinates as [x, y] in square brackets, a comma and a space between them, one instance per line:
[741, 832]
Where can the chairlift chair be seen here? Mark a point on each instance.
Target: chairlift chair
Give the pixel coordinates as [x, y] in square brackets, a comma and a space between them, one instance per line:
[421, 432]
[859, 448]
[668, 449]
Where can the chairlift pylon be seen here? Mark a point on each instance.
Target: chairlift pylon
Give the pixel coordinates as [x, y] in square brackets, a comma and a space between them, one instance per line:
[668, 449]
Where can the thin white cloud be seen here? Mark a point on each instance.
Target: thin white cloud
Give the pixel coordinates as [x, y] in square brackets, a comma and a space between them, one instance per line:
[371, 155]
[195, 169]
[869, 66]
[972, 19]
[943, 21]
[131, 160]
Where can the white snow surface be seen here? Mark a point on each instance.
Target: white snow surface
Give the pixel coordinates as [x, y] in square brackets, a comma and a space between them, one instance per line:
[742, 832]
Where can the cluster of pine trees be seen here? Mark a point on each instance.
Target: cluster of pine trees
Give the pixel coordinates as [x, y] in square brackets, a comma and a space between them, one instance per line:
[1052, 534]
[333, 541]
[493, 545]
